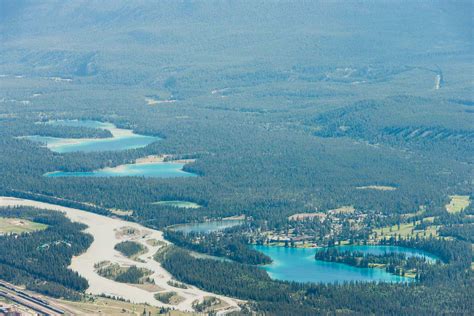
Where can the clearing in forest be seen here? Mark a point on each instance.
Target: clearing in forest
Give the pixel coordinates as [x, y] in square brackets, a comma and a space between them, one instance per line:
[178, 204]
[377, 187]
[458, 203]
[406, 230]
[308, 216]
[348, 209]
[19, 225]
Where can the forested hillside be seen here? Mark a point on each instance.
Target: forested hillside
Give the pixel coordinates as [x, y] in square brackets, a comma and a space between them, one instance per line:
[319, 122]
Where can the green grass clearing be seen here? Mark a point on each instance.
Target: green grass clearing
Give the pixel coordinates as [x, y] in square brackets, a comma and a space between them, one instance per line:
[179, 204]
[19, 225]
[405, 230]
[420, 211]
[458, 203]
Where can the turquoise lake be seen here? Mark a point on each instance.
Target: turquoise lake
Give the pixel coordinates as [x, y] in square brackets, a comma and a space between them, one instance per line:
[298, 264]
[122, 138]
[206, 227]
[152, 170]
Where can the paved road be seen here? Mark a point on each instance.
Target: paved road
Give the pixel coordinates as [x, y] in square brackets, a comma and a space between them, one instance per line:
[28, 300]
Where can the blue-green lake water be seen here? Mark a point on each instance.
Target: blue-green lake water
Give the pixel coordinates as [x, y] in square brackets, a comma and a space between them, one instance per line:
[153, 170]
[206, 227]
[122, 138]
[298, 264]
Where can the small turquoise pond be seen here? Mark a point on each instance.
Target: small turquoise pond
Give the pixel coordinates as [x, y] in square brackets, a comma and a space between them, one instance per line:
[206, 227]
[122, 138]
[152, 170]
[298, 264]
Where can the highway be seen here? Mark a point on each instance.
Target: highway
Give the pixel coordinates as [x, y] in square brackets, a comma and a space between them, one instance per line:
[28, 300]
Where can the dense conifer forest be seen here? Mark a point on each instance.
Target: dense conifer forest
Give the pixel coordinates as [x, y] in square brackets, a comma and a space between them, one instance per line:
[431, 295]
[320, 122]
[40, 260]
[216, 244]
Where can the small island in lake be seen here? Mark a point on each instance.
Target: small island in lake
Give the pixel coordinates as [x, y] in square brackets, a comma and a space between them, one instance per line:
[394, 263]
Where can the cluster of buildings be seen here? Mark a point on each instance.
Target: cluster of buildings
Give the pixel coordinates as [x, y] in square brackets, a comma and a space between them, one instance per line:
[317, 228]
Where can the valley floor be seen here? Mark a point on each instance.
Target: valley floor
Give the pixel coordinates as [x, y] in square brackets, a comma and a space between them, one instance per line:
[107, 232]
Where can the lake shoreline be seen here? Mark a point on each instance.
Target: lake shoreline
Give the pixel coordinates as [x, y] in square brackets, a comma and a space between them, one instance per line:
[300, 265]
[155, 169]
[120, 140]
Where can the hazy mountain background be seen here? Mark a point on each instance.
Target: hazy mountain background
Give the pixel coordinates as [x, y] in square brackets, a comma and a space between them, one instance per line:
[110, 40]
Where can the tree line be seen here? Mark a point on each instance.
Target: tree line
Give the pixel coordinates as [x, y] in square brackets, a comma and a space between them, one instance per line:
[39, 260]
